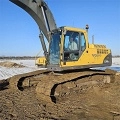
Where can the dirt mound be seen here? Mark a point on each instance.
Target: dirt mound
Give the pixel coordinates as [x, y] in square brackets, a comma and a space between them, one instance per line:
[10, 64]
[90, 102]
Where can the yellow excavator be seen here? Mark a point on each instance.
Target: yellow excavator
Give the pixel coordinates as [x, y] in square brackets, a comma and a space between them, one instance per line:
[68, 58]
[40, 61]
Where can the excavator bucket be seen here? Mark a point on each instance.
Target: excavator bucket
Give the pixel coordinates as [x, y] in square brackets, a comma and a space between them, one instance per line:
[40, 12]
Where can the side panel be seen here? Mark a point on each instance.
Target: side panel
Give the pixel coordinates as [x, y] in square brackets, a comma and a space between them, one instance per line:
[89, 57]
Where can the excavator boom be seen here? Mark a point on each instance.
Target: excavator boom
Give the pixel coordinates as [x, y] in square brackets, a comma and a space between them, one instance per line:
[40, 12]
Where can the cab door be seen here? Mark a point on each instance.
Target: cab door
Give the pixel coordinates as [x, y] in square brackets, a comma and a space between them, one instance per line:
[71, 46]
[73, 49]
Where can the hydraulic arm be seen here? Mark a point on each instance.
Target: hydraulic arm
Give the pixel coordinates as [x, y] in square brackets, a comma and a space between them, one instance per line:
[40, 12]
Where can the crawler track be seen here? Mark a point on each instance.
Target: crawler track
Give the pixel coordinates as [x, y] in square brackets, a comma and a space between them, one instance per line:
[56, 86]
[20, 82]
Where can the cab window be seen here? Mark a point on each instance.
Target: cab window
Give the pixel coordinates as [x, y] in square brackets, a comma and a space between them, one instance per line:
[71, 46]
[82, 42]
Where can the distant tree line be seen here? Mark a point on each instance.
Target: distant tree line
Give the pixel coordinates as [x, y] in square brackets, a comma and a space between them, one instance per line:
[116, 56]
[18, 57]
[31, 57]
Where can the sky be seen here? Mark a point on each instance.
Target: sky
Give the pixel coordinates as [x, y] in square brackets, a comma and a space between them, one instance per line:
[19, 33]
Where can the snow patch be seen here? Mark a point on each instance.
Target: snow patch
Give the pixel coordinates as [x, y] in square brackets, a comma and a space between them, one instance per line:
[29, 66]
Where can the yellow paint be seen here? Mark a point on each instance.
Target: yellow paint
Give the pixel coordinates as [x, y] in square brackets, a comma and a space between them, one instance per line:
[93, 54]
[41, 61]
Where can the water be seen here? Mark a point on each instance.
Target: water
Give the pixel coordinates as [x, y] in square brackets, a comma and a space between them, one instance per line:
[116, 68]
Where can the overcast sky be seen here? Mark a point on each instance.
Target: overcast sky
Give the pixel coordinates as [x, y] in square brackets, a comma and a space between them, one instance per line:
[19, 34]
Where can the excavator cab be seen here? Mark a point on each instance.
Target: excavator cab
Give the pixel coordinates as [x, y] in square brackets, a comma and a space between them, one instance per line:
[64, 46]
[69, 49]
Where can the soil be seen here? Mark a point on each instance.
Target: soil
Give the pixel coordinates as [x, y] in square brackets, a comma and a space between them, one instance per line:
[10, 64]
[90, 102]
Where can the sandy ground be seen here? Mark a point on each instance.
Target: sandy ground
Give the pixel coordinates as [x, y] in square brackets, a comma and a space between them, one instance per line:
[94, 99]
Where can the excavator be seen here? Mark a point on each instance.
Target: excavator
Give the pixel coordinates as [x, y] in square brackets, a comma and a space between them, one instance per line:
[66, 66]
[40, 61]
